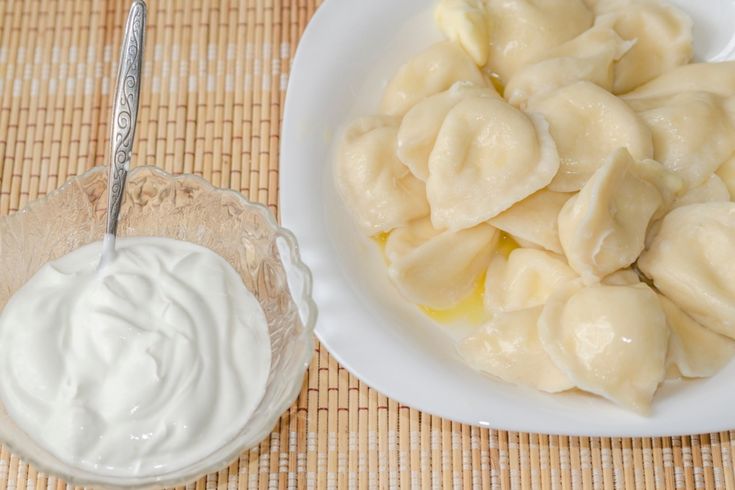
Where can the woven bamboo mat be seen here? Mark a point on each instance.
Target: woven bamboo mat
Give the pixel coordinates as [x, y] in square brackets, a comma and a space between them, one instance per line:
[214, 86]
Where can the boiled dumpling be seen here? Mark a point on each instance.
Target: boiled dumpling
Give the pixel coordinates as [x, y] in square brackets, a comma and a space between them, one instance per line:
[487, 156]
[429, 73]
[377, 188]
[716, 78]
[404, 240]
[589, 56]
[691, 262]
[608, 340]
[669, 185]
[662, 35]
[508, 347]
[696, 351]
[603, 228]
[726, 172]
[438, 268]
[624, 277]
[588, 123]
[521, 31]
[466, 23]
[525, 279]
[713, 190]
[692, 132]
[420, 125]
[534, 219]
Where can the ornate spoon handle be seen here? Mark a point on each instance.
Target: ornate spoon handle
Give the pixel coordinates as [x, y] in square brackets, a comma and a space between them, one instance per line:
[125, 110]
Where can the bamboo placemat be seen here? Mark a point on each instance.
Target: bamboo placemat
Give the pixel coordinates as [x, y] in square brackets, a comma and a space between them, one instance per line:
[212, 99]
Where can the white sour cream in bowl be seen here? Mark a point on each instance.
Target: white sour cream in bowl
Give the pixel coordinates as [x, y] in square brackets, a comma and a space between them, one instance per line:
[142, 367]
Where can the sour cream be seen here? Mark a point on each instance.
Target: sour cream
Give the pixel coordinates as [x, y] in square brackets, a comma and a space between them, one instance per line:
[141, 367]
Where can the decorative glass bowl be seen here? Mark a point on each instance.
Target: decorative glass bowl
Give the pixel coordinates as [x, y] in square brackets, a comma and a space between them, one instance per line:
[186, 208]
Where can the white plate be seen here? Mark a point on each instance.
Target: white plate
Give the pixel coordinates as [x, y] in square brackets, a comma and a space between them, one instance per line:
[346, 55]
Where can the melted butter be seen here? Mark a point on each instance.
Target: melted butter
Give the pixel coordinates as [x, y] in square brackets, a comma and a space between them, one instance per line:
[497, 83]
[470, 310]
[381, 239]
[506, 244]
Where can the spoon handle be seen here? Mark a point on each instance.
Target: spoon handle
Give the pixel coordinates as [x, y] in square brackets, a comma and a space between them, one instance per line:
[125, 109]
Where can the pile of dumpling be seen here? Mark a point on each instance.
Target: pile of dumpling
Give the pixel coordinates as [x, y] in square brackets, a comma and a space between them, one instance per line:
[608, 158]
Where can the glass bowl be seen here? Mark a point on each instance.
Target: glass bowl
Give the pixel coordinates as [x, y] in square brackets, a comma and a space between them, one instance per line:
[186, 208]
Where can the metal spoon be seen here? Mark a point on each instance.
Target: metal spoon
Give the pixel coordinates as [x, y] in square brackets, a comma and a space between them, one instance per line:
[124, 114]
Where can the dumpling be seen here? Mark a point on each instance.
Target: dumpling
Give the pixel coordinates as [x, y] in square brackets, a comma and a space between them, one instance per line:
[716, 78]
[376, 187]
[662, 35]
[429, 73]
[692, 132]
[624, 277]
[534, 219]
[420, 125]
[521, 31]
[466, 23]
[669, 185]
[608, 340]
[525, 279]
[713, 190]
[726, 172]
[691, 262]
[404, 240]
[696, 351]
[437, 268]
[589, 56]
[603, 228]
[588, 123]
[508, 347]
[487, 156]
